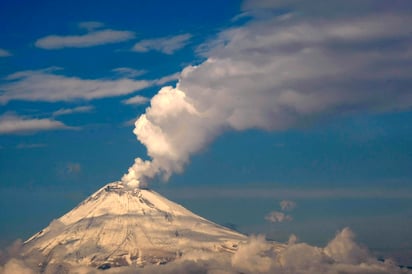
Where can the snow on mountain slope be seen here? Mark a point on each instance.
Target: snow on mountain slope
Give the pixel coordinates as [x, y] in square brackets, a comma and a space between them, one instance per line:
[119, 226]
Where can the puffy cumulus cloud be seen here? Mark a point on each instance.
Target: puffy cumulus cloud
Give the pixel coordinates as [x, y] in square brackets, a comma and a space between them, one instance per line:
[278, 73]
[341, 255]
[343, 249]
[11, 123]
[4, 53]
[287, 205]
[277, 217]
[47, 85]
[166, 45]
[251, 256]
[92, 38]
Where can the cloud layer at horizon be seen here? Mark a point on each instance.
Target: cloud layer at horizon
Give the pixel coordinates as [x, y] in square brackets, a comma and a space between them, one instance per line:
[340, 255]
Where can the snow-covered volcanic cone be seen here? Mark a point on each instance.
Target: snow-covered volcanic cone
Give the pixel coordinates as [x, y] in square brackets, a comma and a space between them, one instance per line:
[119, 226]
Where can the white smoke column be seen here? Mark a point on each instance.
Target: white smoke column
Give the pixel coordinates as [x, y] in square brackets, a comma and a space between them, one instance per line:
[171, 129]
[273, 75]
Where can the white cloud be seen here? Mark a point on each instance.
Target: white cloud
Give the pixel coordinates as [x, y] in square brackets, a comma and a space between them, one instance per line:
[278, 217]
[136, 100]
[13, 124]
[45, 85]
[276, 74]
[4, 53]
[90, 39]
[66, 111]
[167, 45]
[249, 257]
[129, 72]
[287, 205]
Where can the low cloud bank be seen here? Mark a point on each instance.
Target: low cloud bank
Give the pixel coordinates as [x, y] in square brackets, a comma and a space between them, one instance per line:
[341, 255]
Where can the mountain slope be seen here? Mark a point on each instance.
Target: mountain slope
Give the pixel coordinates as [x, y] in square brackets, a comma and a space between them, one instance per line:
[119, 226]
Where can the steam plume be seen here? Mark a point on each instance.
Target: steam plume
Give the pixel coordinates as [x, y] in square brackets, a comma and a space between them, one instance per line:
[273, 75]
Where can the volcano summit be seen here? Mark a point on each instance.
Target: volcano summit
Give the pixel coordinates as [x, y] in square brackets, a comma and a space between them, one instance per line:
[123, 226]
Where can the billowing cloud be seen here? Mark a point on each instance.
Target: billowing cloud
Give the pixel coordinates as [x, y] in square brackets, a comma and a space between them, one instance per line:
[341, 255]
[90, 39]
[66, 111]
[276, 74]
[46, 85]
[14, 124]
[287, 205]
[136, 100]
[278, 217]
[4, 53]
[167, 45]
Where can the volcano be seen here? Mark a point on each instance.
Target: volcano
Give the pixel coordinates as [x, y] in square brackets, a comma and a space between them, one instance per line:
[123, 226]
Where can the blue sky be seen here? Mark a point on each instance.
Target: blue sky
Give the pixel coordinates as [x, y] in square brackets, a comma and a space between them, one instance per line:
[303, 103]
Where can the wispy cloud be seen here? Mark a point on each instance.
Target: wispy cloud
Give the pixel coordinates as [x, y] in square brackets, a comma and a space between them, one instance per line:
[90, 25]
[166, 45]
[46, 85]
[290, 193]
[28, 146]
[11, 123]
[136, 100]
[4, 53]
[66, 111]
[73, 168]
[129, 72]
[90, 39]
[168, 78]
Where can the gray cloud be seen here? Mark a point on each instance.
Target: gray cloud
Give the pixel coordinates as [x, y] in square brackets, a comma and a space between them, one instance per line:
[11, 123]
[4, 53]
[46, 85]
[90, 39]
[331, 8]
[166, 45]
